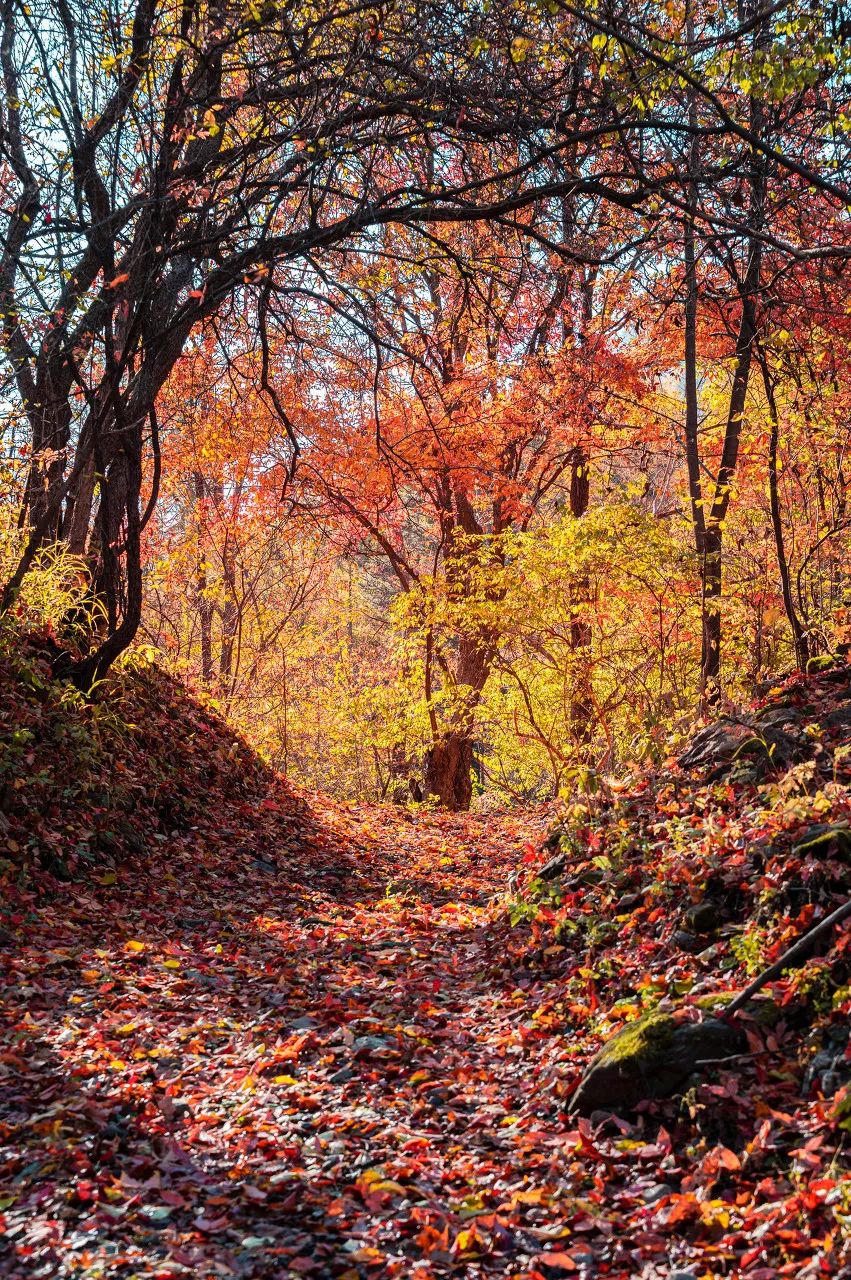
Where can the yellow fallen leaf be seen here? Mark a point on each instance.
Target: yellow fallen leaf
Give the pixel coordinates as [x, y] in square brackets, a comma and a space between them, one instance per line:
[285, 1080]
[171, 964]
[134, 946]
[535, 1195]
[372, 1180]
[467, 1240]
[387, 1184]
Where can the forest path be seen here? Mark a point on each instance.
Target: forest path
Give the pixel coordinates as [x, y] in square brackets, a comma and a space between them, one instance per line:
[234, 1072]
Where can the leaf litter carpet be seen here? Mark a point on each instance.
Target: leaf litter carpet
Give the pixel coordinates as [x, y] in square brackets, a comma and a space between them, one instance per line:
[320, 1056]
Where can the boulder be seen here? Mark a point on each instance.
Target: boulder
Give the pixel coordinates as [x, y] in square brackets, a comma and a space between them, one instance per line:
[717, 743]
[701, 918]
[652, 1058]
[770, 741]
[823, 838]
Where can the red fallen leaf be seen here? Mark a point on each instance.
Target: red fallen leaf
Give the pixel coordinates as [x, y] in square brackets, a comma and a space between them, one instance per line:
[721, 1158]
[371, 1257]
[210, 1225]
[254, 1193]
[13, 1060]
[560, 1261]
[681, 1208]
[173, 1198]
[290, 1049]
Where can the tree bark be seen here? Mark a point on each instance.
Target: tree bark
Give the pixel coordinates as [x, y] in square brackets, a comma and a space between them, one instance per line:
[581, 703]
[799, 636]
[450, 760]
[230, 617]
[203, 601]
[448, 773]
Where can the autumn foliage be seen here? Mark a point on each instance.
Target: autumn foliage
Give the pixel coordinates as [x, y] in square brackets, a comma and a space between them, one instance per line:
[425, 607]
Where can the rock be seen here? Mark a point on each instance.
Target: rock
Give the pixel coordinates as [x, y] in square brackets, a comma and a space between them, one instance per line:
[686, 942]
[265, 864]
[651, 1058]
[371, 1044]
[828, 1071]
[777, 717]
[629, 902]
[658, 1192]
[770, 742]
[822, 836]
[681, 1275]
[586, 879]
[342, 1076]
[550, 870]
[716, 743]
[702, 918]
[839, 718]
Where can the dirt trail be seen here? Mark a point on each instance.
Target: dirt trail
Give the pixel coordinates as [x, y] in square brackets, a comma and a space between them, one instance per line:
[235, 1072]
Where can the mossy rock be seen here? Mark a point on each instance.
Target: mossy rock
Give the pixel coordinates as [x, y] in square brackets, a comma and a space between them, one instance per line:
[652, 1058]
[823, 837]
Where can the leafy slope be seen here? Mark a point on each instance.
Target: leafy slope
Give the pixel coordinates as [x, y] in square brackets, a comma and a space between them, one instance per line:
[262, 1036]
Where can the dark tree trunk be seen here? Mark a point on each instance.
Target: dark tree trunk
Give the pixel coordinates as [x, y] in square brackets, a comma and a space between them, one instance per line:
[450, 759]
[230, 618]
[799, 635]
[205, 605]
[581, 704]
[448, 773]
[710, 661]
[120, 519]
[50, 418]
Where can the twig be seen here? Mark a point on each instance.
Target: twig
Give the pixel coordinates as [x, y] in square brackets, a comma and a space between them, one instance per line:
[791, 957]
[718, 1062]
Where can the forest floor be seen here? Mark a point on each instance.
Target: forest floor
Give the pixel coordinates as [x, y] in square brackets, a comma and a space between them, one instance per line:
[230, 1074]
[297, 1038]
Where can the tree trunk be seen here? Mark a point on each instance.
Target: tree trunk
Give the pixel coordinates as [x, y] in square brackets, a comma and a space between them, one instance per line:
[50, 419]
[450, 759]
[710, 629]
[581, 703]
[746, 341]
[120, 518]
[711, 572]
[203, 601]
[799, 636]
[448, 773]
[230, 619]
